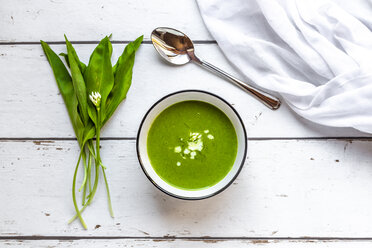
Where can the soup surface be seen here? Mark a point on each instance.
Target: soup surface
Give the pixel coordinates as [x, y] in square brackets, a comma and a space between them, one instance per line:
[192, 145]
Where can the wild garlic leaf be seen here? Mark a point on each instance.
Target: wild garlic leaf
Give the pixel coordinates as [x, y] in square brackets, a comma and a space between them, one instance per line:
[137, 43]
[82, 66]
[99, 77]
[89, 132]
[123, 70]
[65, 85]
[65, 56]
[78, 82]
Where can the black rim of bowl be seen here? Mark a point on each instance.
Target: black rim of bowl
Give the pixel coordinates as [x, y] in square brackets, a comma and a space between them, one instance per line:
[214, 193]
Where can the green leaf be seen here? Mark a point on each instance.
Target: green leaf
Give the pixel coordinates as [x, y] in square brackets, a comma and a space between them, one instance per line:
[78, 82]
[65, 56]
[99, 77]
[89, 132]
[123, 70]
[66, 88]
[82, 66]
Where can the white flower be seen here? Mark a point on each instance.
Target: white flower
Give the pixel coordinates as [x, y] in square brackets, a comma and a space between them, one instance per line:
[95, 97]
[177, 149]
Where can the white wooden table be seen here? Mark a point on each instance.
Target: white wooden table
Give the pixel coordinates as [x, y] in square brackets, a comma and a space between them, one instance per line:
[303, 185]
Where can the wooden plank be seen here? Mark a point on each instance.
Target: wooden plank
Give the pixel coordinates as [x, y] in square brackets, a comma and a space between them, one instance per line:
[215, 243]
[288, 188]
[32, 107]
[25, 21]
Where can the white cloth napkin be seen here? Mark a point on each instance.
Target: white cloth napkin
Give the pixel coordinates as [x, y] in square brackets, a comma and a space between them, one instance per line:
[316, 54]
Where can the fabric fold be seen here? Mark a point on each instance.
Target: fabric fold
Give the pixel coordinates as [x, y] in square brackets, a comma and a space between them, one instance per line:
[317, 54]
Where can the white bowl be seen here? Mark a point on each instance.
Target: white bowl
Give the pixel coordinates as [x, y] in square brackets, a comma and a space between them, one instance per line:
[181, 96]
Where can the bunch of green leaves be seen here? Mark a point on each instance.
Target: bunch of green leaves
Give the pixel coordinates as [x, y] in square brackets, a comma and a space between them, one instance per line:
[91, 94]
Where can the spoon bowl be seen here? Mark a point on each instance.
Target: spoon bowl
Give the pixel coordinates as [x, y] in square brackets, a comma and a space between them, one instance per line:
[172, 45]
[178, 49]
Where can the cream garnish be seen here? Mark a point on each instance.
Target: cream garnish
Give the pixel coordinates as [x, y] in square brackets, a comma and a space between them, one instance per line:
[192, 145]
[210, 136]
[177, 149]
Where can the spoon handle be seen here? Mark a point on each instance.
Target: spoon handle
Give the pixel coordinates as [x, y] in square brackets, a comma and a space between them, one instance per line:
[270, 101]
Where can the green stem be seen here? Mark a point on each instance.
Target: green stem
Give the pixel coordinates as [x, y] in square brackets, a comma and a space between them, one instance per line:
[92, 153]
[97, 158]
[85, 204]
[108, 194]
[76, 215]
[91, 193]
[91, 196]
[73, 192]
[89, 172]
[90, 144]
[84, 195]
[85, 170]
[91, 149]
[86, 175]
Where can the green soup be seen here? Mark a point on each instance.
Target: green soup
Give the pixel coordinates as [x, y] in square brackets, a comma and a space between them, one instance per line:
[192, 145]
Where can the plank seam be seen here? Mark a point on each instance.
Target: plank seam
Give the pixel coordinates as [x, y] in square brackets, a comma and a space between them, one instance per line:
[249, 139]
[165, 238]
[92, 42]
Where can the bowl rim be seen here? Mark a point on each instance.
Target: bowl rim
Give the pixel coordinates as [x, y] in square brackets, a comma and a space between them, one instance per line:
[240, 166]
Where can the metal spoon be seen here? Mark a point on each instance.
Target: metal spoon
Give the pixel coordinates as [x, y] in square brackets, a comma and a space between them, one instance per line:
[176, 48]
